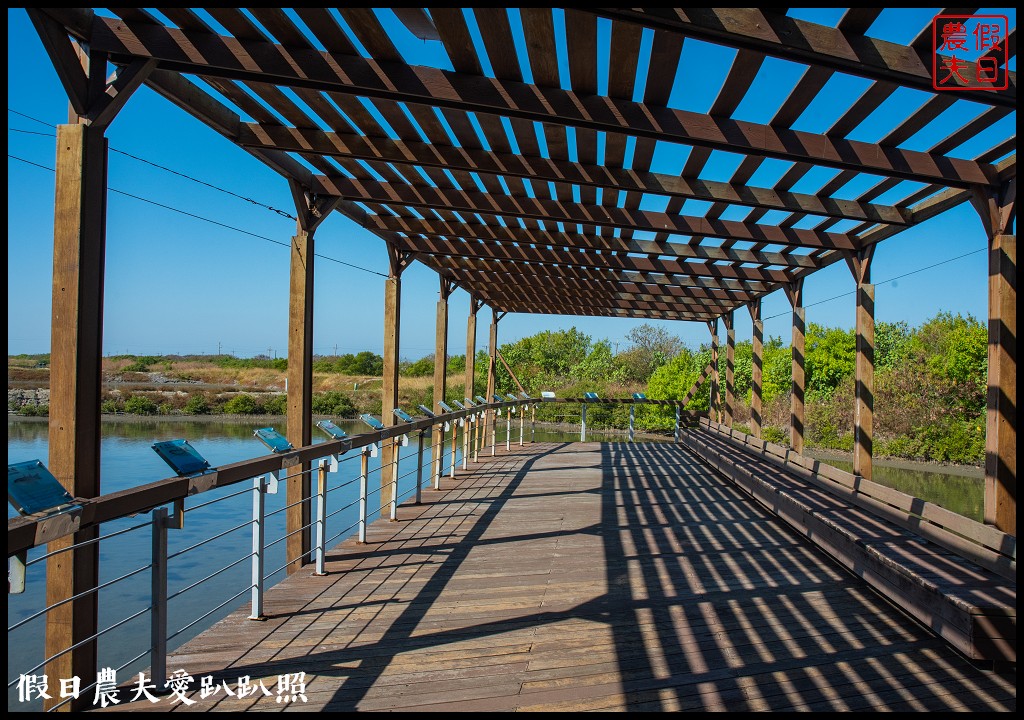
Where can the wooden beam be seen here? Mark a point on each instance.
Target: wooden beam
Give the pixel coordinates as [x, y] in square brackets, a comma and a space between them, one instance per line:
[553, 256]
[805, 42]
[756, 366]
[795, 295]
[425, 196]
[451, 231]
[76, 350]
[538, 167]
[259, 61]
[998, 211]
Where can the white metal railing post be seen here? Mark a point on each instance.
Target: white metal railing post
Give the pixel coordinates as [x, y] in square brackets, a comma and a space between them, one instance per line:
[583, 422]
[632, 415]
[508, 430]
[522, 422]
[321, 514]
[364, 464]
[533, 422]
[437, 467]
[455, 449]
[396, 450]
[677, 423]
[261, 486]
[467, 439]
[158, 613]
[495, 414]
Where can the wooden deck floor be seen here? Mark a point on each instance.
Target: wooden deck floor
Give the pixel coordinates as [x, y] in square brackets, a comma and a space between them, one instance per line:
[585, 576]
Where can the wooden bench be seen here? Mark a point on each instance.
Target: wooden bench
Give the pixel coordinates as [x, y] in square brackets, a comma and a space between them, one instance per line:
[955, 575]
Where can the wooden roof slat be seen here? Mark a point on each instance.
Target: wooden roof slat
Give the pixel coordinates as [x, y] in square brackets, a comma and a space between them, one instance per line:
[550, 104]
[496, 32]
[530, 235]
[458, 43]
[327, 30]
[417, 22]
[609, 177]
[801, 41]
[367, 28]
[441, 246]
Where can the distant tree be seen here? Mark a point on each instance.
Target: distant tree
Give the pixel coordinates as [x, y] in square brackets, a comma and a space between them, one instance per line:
[650, 347]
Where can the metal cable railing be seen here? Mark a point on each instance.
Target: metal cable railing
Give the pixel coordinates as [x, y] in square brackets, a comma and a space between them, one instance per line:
[463, 436]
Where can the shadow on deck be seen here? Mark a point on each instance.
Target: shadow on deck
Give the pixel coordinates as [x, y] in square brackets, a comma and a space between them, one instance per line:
[585, 576]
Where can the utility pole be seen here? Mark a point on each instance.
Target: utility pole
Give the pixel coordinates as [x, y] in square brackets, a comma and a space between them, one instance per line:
[218, 347]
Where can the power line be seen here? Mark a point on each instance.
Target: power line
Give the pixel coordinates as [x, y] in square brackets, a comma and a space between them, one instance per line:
[205, 219]
[157, 165]
[892, 279]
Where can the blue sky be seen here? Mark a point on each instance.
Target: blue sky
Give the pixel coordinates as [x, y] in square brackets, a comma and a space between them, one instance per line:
[181, 284]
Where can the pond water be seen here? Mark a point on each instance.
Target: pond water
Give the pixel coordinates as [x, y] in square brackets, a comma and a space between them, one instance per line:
[127, 460]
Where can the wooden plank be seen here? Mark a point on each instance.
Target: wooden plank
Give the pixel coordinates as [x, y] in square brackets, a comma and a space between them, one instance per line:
[730, 366]
[490, 597]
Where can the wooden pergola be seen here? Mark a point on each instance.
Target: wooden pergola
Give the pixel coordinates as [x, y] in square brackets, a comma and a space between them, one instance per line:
[529, 192]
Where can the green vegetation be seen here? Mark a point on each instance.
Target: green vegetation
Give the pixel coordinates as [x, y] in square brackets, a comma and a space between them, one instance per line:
[930, 383]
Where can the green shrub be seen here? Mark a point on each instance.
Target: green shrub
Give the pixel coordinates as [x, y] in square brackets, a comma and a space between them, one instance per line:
[110, 405]
[334, 403]
[242, 404]
[140, 405]
[197, 405]
[774, 435]
[136, 366]
[276, 405]
[165, 408]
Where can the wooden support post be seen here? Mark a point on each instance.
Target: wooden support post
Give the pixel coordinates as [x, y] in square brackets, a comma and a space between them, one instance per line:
[795, 293]
[492, 368]
[79, 243]
[864, 390]
[756, 366]
[997, 207]
[389, 392]
[468, 388]
[713, 410]
[441, 373]
[76, 337]
[730, 367]
[310, 212]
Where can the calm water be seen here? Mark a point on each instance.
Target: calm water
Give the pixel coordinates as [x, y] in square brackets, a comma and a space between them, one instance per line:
[128, 460]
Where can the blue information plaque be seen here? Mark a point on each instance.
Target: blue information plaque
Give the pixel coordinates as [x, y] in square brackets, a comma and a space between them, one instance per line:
[590, 396]
[426, 411]
[372, 421]
[461, 406]
[524, 396]
[547, 395]
[331, 429]
[31, 489]
[446, 407]
[403, 415]
[513, 398]
[181, 456]
[481, 399]
[273, 439]
[639, 396]
[499, 398]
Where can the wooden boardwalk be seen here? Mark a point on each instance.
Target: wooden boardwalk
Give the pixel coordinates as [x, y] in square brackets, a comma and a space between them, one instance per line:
[585, 576]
